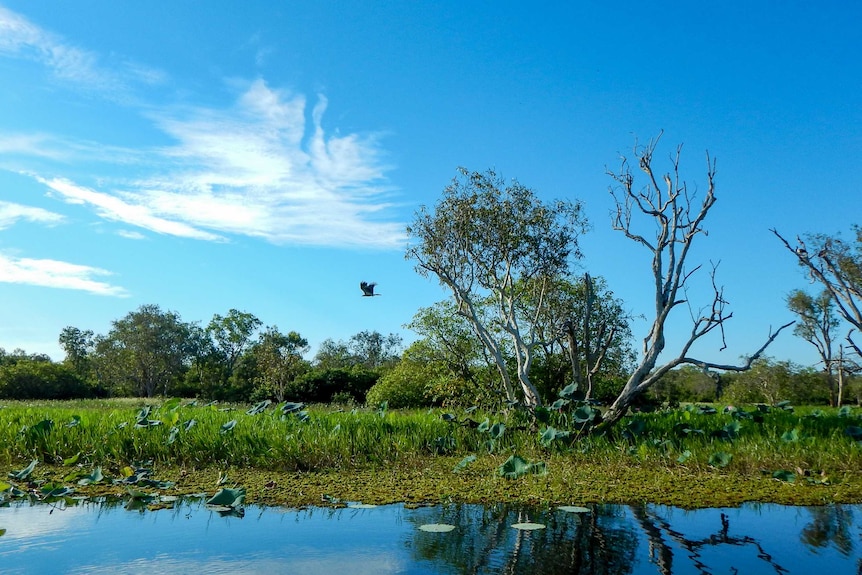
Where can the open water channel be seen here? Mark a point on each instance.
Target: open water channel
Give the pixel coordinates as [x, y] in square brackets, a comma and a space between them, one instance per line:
[110, 537]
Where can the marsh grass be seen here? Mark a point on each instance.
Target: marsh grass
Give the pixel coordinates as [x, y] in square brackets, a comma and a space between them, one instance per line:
[649, 453]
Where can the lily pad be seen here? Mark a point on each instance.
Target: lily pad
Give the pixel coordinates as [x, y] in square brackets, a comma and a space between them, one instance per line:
[228, 426]
[23, 474]
[527, 526]
[464, 463]
[227, 497]
[437, 527]
[573, 509]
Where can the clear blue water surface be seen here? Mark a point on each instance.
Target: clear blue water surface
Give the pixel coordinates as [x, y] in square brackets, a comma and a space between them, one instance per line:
[106, 537]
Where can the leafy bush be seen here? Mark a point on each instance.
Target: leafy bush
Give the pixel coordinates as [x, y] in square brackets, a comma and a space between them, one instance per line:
[322, 385]
[400, 388]
[41, 380]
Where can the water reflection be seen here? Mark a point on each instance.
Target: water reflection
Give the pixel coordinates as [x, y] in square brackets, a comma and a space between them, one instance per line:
[111, 537]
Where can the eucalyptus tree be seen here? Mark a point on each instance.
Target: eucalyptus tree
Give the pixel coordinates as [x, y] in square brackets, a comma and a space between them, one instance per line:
[583, 324]
[78, 345]
[674, 220]
[484, 239]
[372, 349]
[817, 324]
[836, 265]
[451, 340]
[232, 335]
[279, 359]
[144, 351]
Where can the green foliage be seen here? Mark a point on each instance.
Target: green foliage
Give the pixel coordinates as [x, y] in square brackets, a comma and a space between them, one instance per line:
[321, 385]
[516, 466]
[29, 379]
[406, 385]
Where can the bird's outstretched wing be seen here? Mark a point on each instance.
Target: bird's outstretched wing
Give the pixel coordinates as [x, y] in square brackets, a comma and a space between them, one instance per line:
[367, 288]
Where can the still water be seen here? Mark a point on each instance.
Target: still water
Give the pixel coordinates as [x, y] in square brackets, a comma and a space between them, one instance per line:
[106, 537]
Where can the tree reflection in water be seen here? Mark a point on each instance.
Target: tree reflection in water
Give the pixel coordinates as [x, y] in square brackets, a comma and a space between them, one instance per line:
[605, 541]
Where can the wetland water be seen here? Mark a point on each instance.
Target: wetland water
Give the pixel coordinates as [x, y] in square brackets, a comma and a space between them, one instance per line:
[106, 537]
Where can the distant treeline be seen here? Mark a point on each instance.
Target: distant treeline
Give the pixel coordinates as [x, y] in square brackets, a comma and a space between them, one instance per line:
[152, 352]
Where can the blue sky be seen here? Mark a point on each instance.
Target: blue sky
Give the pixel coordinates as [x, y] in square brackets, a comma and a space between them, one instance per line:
[266, 156]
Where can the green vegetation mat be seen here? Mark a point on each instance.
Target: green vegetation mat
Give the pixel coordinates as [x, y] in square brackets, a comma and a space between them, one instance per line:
[292, 455]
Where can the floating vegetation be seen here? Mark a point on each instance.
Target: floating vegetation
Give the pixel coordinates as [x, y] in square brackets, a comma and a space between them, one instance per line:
[527, 526]
[464, 463]
[291, 452]
[573, 509]
[516, 466]
[437, 527]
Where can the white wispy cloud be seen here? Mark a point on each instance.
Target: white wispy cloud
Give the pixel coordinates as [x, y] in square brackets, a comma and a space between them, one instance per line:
[56, 274]
[67, 62]
[118, 209]
[11, 213]
[263, 167]
[259, 168]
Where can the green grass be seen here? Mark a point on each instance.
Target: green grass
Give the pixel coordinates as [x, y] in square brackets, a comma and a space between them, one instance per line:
[662, 456]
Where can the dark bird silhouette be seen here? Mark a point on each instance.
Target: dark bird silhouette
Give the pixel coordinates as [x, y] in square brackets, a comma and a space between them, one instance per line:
[367, 289]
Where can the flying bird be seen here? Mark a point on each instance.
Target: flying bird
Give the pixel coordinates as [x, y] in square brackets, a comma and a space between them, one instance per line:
[367, 289]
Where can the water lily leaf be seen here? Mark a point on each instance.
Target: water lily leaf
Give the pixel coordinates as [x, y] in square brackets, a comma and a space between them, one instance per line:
[172, 404]
[226, 497]
[784, 475]
[147, 423]
[484, 426]
[259, 408]
[52, 491]
[790, 436]
[854, 432]
[497, 430]
[94, 477]
[290, 407]
[586, 414]
[449, 417]
[516, 466]
[572, 392]
[542, 414]
[733, 428]
[527, 526]
[845, 411]
[634, 428]
[138, 494]
[573, 509]
[23, 474]
[464, 463]
[72, 460]
[720, 459]
[437, 527]
[683, 457]
[559, 404]
[144, 413]
[227, 427]
[550, 435]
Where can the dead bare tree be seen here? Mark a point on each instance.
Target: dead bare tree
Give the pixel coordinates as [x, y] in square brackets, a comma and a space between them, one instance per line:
[678, 222]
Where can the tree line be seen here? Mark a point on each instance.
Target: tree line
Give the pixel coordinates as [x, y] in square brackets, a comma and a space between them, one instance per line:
[524, 320]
